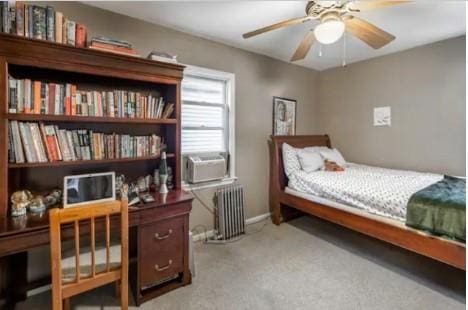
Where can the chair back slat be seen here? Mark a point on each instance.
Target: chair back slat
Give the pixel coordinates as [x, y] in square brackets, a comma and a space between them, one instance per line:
[93, 247]
[77, 251]
[107, 243]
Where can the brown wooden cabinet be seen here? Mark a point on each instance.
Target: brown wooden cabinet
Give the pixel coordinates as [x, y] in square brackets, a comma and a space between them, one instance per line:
[159, 230]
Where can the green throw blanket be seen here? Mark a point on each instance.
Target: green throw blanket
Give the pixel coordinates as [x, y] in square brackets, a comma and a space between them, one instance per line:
[440, 208]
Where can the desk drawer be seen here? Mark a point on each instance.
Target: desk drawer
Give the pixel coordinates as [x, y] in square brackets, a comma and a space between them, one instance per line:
[161, 250]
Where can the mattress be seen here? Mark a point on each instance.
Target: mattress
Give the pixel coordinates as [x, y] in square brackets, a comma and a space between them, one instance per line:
[340, 206]
[378, 191]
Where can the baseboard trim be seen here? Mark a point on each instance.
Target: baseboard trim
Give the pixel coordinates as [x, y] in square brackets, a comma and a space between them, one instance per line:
[257, 218]
[210, 233]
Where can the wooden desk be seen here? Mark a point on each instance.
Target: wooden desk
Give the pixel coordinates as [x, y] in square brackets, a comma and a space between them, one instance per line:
[168, 218]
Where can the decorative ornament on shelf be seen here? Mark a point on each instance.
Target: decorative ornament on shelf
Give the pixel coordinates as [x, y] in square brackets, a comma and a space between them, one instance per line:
[37, 205]
[163, 174]
[53, 199]
[20, 201]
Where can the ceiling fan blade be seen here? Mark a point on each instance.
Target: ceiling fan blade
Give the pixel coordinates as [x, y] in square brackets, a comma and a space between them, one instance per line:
[372, 5]
[282, 24]
[304, 46]
[370, 34]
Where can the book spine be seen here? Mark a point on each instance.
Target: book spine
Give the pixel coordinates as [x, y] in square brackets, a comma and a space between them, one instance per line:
[80, 36]
[73, 99]
[20, 18]
[27, 96]
[58, 27]
[37, 97]
[18, 146]
[48, 149]
[71, 32]
[31, 21]
[65, 31]
[20, 96]
[12, 95]
[50, 17]
[25, 143]
[44, 101]
[55, 133]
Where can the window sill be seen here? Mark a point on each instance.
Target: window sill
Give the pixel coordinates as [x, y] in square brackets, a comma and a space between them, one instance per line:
[209, 184]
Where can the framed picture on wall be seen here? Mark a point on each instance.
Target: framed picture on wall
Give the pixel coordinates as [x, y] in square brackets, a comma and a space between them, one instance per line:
[284, 116]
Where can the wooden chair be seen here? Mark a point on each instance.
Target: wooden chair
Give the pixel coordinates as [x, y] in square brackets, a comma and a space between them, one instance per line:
[66, 284]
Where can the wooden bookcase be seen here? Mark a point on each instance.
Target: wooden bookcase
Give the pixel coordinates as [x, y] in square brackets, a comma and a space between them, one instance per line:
[167, 216]
[89, 70]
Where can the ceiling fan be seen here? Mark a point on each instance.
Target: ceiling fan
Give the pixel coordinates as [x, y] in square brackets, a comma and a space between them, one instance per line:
[335, 19]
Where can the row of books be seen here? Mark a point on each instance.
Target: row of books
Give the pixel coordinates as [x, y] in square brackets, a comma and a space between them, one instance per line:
[43, 23]
[40, 143]
[37, 97]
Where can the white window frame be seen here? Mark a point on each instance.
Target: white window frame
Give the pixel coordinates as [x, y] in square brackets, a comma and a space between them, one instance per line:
[229, 79]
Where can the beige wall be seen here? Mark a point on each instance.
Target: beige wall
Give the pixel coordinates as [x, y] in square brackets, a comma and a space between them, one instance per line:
[425, 88]
[258, 79]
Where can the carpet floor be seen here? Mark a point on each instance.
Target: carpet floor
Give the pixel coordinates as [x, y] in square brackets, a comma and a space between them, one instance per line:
[304, 264]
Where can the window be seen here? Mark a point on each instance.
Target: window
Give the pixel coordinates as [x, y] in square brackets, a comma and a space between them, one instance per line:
[208, 114]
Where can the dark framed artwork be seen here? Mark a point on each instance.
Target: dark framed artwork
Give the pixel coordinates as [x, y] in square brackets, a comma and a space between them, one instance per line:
[284, 116]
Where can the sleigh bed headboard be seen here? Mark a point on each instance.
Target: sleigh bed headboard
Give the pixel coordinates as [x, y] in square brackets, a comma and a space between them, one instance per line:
[278, 179]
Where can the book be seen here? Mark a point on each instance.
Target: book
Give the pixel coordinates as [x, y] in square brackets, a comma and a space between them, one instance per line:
[12, 19]
[71, 32]
[100, 45]
[12, 95]
[20, 18]
[16, 142]
[80, 37]
[161, 56]
[50, 26]
[39, 22]
[58, 27]
[107, 40]
[127, 53]
[36, 97]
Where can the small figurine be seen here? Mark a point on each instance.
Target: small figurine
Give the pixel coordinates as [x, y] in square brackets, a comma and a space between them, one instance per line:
[53, 199]
[141, 184]
[124, 191]
[119, 182]
[20, 201]
[37, 205]
[156, 178]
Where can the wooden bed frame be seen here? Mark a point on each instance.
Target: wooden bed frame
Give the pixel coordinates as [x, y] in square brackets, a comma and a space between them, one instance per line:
[284, 206]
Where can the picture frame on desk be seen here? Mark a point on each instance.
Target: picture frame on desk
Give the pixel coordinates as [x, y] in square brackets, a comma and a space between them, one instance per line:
[77, 189]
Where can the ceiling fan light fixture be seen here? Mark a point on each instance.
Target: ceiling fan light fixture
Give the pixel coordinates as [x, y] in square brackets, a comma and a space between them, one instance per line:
[329, 31]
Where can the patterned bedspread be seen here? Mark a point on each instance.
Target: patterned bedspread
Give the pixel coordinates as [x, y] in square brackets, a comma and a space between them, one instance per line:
[379, 191]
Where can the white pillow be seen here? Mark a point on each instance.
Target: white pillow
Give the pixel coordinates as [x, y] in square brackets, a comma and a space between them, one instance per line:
[333, 155]
[315, 148]
[310, 161]
[290, 160]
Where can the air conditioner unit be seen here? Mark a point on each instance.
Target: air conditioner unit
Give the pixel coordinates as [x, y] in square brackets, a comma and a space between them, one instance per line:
[206, 168]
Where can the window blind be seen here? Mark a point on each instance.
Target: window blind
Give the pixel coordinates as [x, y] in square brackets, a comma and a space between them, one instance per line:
[203, 115]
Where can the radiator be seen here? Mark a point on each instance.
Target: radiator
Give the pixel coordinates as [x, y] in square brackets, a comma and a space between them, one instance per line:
[230, 219]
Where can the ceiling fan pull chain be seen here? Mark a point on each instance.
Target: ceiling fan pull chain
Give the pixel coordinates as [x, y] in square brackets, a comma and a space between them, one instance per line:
[344, 50]
[320, 50]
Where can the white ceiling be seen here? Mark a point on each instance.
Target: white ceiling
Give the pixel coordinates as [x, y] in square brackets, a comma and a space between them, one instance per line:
[413, 24]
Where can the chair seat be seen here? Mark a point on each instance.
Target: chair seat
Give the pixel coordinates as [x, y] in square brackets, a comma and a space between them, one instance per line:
[69, 262]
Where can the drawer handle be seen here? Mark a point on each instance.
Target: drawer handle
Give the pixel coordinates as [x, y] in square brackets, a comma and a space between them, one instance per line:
[169, 232]
[163, 267]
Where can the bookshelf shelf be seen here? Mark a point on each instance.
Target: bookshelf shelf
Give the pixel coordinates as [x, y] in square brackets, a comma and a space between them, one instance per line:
[90, 119]
[85, 162]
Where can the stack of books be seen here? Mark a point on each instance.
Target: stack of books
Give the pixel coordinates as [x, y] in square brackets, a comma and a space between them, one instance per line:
[111, 45]
[39, 143]
[43, 23]
[39, 97]
[164, 57]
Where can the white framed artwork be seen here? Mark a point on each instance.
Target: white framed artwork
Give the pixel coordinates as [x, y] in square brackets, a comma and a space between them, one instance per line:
[382, 116]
